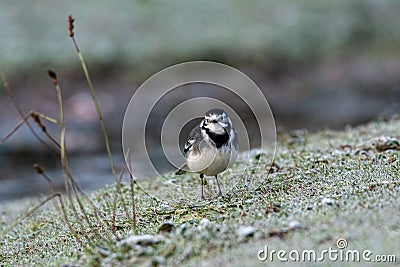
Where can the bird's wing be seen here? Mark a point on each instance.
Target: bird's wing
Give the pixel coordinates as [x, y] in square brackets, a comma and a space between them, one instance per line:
[192, 144]
[193, 140]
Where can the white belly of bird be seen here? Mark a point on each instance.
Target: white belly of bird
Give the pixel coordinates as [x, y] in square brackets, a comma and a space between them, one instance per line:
[211, 162]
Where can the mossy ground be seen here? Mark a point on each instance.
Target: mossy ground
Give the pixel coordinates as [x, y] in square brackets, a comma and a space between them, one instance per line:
[322, 187]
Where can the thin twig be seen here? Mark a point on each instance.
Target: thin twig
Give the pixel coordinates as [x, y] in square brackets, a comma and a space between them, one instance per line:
[133, 200]
[21, 113]
[113, 219]
[64, 160]
[39, 170]
[98, 111]
[132, 186]
[22, 122]
[36, 118]
[71, 21]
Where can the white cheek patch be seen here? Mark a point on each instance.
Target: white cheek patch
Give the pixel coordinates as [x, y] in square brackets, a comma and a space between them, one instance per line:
[215, 128]
[223, 124]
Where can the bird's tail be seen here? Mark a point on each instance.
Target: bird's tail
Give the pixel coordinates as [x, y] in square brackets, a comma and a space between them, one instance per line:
[181, 170]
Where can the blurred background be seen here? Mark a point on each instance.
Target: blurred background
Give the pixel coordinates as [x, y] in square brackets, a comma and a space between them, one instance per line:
[320, 64]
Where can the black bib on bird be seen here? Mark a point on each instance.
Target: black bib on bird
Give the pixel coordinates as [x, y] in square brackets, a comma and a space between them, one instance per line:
[219, 139]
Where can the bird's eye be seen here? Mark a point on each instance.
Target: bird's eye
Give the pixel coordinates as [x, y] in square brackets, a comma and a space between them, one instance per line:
[207, 121]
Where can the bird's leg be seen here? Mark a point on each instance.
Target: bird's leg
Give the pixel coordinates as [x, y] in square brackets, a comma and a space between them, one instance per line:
[202, 185]
[219, 187]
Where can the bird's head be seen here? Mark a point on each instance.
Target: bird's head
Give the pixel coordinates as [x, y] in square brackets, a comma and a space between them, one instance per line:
[217, 121]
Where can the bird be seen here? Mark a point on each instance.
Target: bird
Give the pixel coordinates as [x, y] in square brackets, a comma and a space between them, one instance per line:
[211, 148]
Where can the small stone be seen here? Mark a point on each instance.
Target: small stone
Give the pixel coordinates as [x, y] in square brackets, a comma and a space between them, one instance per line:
[158, 261]
[142, 240]
[166, 227]
[295, 225]
[246, 231]
[171, 182]
[327, 201]
[249, 201]
[204, 221]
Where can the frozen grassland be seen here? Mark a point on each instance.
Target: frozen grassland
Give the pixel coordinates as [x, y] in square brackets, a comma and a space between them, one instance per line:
[323, 186]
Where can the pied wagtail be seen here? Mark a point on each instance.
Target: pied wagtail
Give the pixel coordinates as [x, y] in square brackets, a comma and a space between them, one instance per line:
[212, 147]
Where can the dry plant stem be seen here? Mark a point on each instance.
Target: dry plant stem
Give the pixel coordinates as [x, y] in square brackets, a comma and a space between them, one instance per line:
[99, 114]
[97, 106]
[134, 223]
[128, 156]
[113, 226]
[36, 119]
[70, 177]
[39, 170]
[22, 122]
[69, 181]
[85, 215]
[21, 113]
[78, 189]
[101, 120]
[44, 116]
[66, 220]
[147, 193]
[48, 180]
[132, 185]
[64, 161]
[72, 181]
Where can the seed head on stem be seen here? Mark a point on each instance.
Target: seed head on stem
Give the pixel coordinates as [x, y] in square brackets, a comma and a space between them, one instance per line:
[71, 21]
